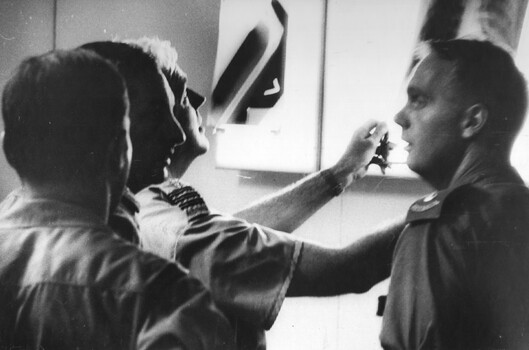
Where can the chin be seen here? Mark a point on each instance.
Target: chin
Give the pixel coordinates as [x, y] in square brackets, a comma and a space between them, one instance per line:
[413, 165]
[204, 149]
[201, 147]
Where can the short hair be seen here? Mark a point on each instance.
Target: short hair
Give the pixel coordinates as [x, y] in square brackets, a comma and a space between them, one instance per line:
[166, 58]
[132, 62]
[488, 74]
[62, 110]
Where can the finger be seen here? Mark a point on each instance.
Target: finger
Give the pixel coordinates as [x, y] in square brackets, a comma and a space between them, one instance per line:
[379, 131]
[370, 124]
[367, 129]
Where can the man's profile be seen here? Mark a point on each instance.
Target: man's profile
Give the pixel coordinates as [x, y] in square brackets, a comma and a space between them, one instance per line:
[459, 274]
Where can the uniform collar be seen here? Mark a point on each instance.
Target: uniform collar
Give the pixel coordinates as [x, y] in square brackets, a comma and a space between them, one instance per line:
[484, 172]
[21, 210]
[480, 174]
[129, 201]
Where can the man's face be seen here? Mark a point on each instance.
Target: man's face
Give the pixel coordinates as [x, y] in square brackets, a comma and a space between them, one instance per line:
[431, 120]
[189, 117]
[154, 129]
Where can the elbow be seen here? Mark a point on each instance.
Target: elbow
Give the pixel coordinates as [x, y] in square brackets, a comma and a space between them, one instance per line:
[363, 285]
[360, 287]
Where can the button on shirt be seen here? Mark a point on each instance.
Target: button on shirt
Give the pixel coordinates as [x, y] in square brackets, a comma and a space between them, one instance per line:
[247, 267]
[460, 276]
[67, 282]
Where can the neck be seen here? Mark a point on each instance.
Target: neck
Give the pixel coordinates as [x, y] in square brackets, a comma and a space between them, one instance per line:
[474, 158]
[95, 199]
[139, 179]
[481, 158]
[179, 165]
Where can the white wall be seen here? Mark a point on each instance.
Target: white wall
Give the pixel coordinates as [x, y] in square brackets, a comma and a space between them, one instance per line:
[190, 25]
[26, 28]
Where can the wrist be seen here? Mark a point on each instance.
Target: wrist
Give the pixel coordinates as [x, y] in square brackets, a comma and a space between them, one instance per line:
[336, 181]
[344, 175]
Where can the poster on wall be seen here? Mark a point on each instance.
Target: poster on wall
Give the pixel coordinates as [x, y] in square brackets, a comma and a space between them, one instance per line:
[267, 86]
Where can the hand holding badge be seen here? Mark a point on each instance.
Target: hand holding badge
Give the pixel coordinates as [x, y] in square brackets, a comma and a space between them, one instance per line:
[381, 153]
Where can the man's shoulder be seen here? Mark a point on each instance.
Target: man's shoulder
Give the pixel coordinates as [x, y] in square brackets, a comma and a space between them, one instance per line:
[469, 199]
[123, 219]
[96, 257]
[183, 199]
[74, 256]
[121, 265]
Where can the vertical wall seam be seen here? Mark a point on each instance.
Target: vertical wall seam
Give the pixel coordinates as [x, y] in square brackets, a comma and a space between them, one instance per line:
[319, 150]
[54, 30]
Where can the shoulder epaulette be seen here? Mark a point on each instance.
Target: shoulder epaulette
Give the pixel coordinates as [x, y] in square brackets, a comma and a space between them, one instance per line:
[429, 207]
[189, 200]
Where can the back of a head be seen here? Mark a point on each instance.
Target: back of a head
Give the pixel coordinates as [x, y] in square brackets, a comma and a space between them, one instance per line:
[167, 60]
[62, 110]
[487, 74]
[132, 62]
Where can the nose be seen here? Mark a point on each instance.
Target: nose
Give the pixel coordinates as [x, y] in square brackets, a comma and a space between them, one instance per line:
[195, 99]
[174, 132]
[401, 118]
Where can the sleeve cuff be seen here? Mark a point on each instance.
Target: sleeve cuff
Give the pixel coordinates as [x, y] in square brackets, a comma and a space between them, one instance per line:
[274, 310]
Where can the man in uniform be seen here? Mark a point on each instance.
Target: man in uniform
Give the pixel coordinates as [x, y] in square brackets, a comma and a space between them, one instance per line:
[459, 275]
[66, 280]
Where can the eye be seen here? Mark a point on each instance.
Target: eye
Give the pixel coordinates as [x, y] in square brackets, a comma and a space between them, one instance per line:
[417, 101]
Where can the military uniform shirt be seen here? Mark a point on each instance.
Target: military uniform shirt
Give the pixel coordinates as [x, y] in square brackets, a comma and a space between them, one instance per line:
[460, 275]
[247, 267]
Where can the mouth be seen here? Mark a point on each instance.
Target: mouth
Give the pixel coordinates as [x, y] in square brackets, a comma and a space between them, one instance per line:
[405, 145]
[199, 122]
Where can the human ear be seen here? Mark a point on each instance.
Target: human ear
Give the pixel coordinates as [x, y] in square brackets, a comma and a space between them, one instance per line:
[474, 120]
[3, 137]
[121, 153]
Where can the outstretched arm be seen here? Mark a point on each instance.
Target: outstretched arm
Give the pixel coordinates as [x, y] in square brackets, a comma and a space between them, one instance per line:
[287, 209]
[353, 269]
[249, 269]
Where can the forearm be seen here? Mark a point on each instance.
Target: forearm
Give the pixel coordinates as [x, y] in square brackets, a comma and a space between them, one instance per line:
[353, 269]
[287, 209]
[291, 207]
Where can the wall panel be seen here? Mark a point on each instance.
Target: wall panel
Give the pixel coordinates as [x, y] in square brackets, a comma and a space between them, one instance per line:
[26, 28]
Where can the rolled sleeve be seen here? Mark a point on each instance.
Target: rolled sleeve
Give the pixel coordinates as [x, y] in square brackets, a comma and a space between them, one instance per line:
[247, 267]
